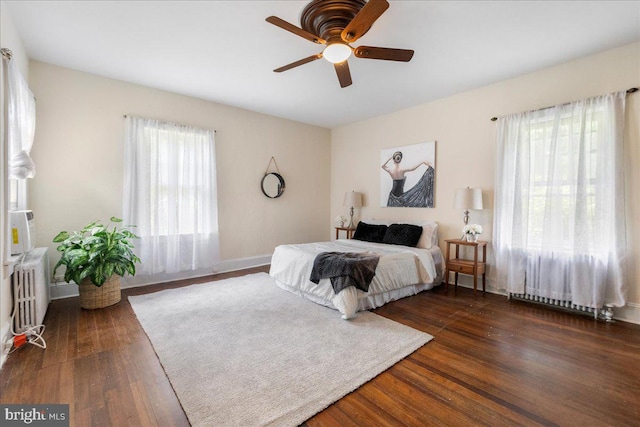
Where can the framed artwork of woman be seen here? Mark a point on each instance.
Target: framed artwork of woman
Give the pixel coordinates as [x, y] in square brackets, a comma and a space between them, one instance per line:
[407, 176]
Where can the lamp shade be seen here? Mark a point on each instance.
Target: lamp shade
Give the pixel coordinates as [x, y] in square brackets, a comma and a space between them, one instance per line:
[352, 199]
[468, 198]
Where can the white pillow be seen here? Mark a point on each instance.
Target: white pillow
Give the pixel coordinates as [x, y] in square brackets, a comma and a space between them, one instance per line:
[429, 236]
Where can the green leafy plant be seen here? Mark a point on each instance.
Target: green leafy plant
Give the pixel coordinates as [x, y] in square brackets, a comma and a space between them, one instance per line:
[96, 252]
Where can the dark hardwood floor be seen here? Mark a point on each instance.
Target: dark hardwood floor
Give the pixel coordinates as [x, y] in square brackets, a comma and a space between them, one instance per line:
[492, 362]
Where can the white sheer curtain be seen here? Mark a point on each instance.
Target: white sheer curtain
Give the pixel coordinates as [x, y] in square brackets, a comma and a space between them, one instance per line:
[171, 195]
[21, 126]
[559, 223]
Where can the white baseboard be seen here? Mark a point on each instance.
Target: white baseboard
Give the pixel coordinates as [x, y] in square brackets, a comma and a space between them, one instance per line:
[61, 289]
[629, 313]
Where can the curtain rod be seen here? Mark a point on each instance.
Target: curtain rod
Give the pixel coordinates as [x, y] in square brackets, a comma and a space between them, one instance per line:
[214, 131]
[630, 90]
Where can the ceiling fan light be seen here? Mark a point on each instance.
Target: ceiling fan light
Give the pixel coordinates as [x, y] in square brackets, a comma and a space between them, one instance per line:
[336, 52]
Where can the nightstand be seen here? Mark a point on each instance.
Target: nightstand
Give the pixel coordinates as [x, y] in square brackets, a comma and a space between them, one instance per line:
[348, 230]
[466, 266]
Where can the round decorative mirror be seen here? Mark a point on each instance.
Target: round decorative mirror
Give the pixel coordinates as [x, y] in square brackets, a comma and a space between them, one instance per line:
[272, 185]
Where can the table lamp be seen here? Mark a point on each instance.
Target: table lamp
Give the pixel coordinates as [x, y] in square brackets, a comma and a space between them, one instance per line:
[467, 198]
[353, 200]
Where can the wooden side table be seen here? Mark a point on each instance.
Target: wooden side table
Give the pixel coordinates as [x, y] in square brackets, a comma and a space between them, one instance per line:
[466, 266]
[348, 230]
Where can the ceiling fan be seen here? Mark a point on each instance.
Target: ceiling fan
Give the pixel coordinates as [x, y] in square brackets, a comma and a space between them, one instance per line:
[336, 24]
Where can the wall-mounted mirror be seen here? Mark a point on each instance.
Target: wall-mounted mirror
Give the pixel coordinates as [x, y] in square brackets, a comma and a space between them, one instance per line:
[272, 185]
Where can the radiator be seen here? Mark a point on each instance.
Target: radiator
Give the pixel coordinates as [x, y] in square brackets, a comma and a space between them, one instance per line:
[563, 305]
[30, 282]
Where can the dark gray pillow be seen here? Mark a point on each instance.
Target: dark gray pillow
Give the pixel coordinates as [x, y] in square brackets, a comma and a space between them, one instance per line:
[370, 232]
[403, 234]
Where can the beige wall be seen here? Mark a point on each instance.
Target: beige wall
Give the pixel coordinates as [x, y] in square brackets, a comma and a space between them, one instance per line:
[78, 151]
[9, 39]
[465, 143]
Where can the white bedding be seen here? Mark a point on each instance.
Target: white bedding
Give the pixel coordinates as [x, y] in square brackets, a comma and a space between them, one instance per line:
[401, 271]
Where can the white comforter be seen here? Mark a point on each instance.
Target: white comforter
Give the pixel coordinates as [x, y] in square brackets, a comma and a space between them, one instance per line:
[401, 271]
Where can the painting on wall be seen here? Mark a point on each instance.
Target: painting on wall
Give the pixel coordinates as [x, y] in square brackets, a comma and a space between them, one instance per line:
[407, 176]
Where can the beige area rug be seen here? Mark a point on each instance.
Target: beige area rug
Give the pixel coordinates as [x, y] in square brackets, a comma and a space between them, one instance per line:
[243, 352]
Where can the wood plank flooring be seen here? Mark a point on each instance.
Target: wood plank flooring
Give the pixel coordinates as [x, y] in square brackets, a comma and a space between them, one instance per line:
[492, 362]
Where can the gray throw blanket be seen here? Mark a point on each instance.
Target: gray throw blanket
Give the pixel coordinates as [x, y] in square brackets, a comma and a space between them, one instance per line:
[345, 269]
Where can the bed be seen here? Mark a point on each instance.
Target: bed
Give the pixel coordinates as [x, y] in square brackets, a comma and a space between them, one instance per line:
[402, 270]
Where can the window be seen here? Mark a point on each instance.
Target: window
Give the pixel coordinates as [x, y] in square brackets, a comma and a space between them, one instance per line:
[559, 224]
[563, 178]
[170, 195]
[17, 194]
[169, 158]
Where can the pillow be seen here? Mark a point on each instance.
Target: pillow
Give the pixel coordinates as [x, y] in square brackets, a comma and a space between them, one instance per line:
[370, 232]
[429, 235]
[402, 234]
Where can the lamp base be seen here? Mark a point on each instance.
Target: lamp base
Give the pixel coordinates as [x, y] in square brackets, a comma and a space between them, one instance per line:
[351, 224]
[465, 219]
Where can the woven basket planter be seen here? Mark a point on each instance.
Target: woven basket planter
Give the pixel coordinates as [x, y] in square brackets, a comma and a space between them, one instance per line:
[92, 296]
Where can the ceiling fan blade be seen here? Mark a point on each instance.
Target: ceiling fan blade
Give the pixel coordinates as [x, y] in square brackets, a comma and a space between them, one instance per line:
[295, 30]
[363, 21]
[385, 53]
[298, 63]
[344, 75]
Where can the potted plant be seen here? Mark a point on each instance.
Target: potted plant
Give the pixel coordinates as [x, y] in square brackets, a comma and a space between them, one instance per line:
[472, 231]
[95, 259]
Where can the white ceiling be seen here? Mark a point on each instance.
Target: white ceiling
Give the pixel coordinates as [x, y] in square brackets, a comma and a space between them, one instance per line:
[224, 51]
